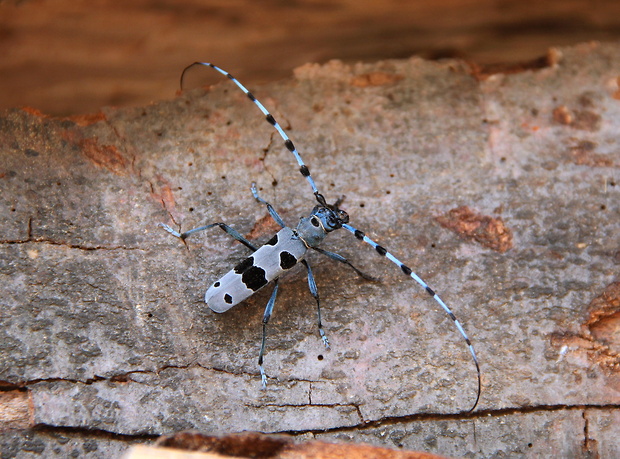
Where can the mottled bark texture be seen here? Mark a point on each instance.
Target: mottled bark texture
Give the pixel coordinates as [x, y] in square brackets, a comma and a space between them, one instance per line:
[500, 190]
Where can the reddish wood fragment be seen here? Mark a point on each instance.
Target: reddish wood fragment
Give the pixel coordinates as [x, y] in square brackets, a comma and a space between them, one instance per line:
[107, 156]
[88, 119]
[35, 112]
[161, 191]
[562, 115]
[483, 71]
[265, 226]
[375, 79]
[604, 321]
[616, 95]
[488, 231]
[599, 338]
[251, 444]
[585, 120]
[16, 410]
[80, 120]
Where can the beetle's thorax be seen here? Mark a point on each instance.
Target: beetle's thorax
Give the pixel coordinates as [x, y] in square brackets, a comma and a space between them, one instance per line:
[313, 229]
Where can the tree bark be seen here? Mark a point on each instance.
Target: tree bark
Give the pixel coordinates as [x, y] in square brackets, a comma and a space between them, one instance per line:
[102, 320]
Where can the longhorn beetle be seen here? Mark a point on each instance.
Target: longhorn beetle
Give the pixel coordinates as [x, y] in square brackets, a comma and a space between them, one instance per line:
[289, 246]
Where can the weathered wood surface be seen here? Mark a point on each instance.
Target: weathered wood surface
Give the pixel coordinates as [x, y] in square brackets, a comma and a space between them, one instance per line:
[74, 56]
[103, 327]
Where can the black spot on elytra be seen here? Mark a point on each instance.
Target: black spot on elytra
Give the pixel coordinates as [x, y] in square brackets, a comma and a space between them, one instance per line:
[254, 278]
[228, 298]
[272, 241]
[217, 284]
[287, 260]
[244, 265]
